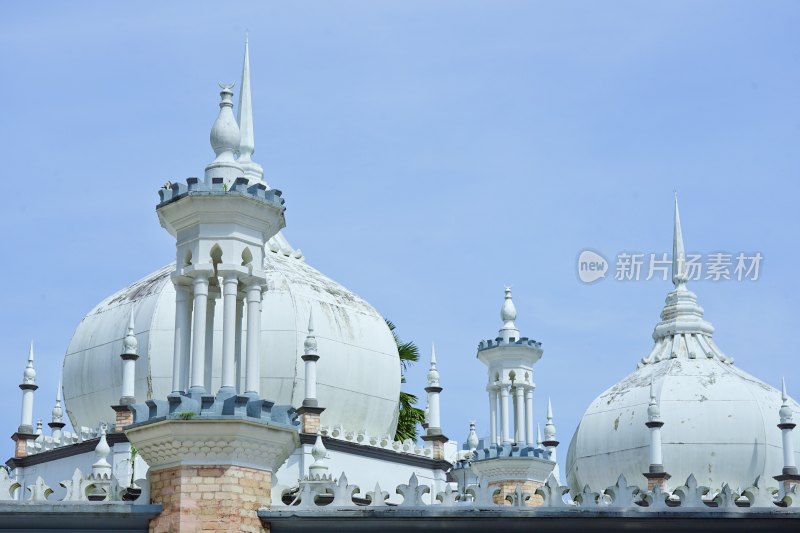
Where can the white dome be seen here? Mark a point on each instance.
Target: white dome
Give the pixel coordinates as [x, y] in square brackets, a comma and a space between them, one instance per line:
[358, 370]
[720, 424]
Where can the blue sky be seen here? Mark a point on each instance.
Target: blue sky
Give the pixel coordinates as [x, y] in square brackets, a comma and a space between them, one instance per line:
[429, 152]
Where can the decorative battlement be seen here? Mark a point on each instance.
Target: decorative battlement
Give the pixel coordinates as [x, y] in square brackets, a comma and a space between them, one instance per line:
[183, 407]
[385, 442]
[172, 192]
[45, 443]
[316, 495]
[499, 341]
[508, 450]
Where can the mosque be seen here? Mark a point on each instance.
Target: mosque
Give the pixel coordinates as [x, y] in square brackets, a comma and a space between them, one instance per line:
[240, 389]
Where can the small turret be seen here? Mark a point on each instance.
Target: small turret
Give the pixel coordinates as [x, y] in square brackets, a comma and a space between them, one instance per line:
[789, 476]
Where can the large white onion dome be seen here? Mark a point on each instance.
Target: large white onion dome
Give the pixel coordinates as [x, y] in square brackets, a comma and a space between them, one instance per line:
[358, 369]
[720, 423]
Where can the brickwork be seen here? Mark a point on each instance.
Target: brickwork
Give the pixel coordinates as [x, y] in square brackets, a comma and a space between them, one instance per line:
[124, 418]
[508, 487]
[437, 449]
[20, 447]
[209, 498]
[653, 480]
[309, 423]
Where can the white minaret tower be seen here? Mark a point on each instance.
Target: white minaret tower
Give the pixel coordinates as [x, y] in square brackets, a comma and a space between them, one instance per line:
[509, 359]
[433, 433]
[789, 476]
[26, 432]
[310, 411]
[57, 422]
[220, 225]
[28, 386]
[655, 474]
[129, 356]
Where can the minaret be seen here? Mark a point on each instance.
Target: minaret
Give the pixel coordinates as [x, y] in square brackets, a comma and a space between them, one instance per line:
[509, 360]
[129, 355]
[207, 251]
[310, 411]
[25, 432]
[550, 442]
[433, 433]
[789, 477]
[221, 226]
[57, 423]
[655, 474]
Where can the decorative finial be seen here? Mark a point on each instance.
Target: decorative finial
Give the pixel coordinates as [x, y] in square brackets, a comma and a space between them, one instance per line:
[39, 427]
[225, 138]
[433, 372]
[679, 274]
[508, 314]
[538, 436]
[472, 439]
[318, 452]
[101, 468]
[310, 344]
[785, 412]
[129, 343]
[58, 412]
[247, 144]
[549, 427]
[653, 409]
[29, 375]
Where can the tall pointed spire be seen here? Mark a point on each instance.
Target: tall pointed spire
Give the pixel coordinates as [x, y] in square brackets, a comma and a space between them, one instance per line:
[247, 144]
[682, 331]
[58, 412]
[433, 372]
[679, 276]
[29, 375]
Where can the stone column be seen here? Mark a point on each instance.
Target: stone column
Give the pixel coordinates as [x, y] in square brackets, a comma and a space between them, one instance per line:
[230, 288]
[519, 405]
[493, 414]
[529, 438]
[239, 360]
[504, 432]
[253, 371]
[199, 336]
[211, 308]
[183, 336]
[211, 490]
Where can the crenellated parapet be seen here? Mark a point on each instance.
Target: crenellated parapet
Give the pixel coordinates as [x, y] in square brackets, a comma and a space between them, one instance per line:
[172, 192]
[511, 341]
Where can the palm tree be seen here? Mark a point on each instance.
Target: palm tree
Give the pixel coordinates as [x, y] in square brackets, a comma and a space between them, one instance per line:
[409, 416]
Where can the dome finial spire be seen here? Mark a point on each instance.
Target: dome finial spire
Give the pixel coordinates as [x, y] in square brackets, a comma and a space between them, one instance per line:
[508, 314]
[247, 144]
[678, 253]
[225, 138]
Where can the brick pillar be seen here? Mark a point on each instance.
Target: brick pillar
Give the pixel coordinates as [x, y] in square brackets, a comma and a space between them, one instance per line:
[124, 417]
[209, 497]
[437, 445]
[21, 443]
[510, 486]
[211, 474]
[654, 477]
[310, 419]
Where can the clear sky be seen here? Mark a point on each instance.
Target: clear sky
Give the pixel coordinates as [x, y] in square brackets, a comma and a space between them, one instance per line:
[429, 152]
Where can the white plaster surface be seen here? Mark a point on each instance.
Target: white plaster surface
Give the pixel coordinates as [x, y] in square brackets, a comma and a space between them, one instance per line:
[358, 370]
[720, 424]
